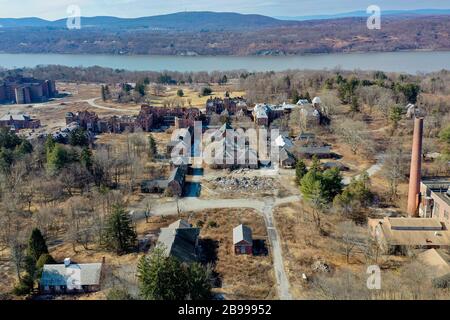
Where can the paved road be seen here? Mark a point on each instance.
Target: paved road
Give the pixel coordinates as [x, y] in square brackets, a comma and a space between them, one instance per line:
[263, 207]
[92, 103]
[371, 171]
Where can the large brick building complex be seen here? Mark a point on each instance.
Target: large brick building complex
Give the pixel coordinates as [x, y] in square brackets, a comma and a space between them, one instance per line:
[19, 90]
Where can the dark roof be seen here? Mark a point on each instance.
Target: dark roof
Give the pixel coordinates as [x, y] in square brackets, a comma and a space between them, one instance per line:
[177, 174]
[315, 150]
[242, 233]
[179, 240]
[286, 155]
[154, 184]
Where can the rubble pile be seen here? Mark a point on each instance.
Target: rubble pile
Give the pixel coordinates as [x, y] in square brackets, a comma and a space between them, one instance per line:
[244, 183]
[320, 266]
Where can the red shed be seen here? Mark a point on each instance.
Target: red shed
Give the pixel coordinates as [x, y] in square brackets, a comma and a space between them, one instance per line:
[242, 240]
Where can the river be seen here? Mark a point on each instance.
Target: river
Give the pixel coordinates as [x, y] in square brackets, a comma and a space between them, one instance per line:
[409, 62]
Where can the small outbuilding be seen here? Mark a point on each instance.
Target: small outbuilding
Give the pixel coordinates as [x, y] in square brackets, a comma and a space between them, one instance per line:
[242, 240]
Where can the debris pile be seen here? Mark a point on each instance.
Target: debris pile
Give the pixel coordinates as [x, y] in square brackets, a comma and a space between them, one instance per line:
[320, 266]
[244, 183]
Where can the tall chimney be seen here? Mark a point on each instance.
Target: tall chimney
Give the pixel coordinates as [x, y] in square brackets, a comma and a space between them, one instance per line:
[415, 173]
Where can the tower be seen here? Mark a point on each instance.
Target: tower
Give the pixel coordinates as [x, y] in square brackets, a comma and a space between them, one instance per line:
[415, 171]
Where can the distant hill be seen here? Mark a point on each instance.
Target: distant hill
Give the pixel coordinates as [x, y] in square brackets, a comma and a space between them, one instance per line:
[352, 14]
[176, 21]
[208, 33]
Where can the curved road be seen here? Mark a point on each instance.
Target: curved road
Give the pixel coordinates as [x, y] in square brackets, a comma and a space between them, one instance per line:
[264, 207]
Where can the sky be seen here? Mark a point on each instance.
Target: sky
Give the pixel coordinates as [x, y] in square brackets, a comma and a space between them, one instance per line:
[56, 9]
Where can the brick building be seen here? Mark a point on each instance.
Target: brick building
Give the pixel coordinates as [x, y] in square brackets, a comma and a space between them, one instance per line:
[20, 90]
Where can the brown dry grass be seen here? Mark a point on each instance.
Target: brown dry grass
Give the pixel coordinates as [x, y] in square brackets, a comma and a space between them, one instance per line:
[303, 245]
[243, 277]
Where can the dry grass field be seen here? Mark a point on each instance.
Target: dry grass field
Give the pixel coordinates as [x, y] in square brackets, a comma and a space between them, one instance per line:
[242, 277]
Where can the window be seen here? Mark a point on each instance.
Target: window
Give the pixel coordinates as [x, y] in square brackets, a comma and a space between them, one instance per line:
[243, 250]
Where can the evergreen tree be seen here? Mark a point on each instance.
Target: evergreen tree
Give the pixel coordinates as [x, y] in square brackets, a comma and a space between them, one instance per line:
[199, 281]
[120, 234]
[180, 93]
[25, 147]
[165, 278]
[300, 170]
[152, 149]
[86, 158]
[103, 91]
[79, 137]
[49, 144]
[161, 277]
[57, 159]
[36, 245]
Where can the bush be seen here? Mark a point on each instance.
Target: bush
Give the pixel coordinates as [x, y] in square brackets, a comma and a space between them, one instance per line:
[442, 282]
[206, 91]
[24, 287]
[118, 294]
[200, 224]
[212, 224]
[45, 259]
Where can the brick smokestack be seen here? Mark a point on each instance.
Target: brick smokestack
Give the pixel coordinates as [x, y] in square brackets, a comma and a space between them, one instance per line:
[416, 169]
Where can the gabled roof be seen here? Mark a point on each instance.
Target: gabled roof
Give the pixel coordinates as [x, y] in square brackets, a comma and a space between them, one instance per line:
[286, 155]
[177, 174]
[180, 224]
[179, 240]
[74, 274]
[283, 141]
[242, 233]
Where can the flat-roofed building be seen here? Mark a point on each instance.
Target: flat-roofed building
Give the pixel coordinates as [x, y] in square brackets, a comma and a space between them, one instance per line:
[397, 234]
[435, 199]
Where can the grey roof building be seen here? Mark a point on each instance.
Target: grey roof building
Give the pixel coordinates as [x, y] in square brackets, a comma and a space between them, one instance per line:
[71, 276]
[180, 241]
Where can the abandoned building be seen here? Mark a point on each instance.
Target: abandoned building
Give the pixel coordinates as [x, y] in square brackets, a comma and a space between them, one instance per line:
[321, 152]
[395, 235]
[435, 199]
[230, 105]
[71, 278]
[17, 122]
[180, 240]
[149, 118]
[21, 90]
[242, 240]
[154, 117]
[173, 185]
[287, 159]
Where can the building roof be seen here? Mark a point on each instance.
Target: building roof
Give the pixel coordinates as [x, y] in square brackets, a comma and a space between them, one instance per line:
[242, 233]
[436, 260]
[440, 187]
[179, 240]
[331, 165]
[60, 275]
[177, 174]
[306, 136]
[161, 184]
[283, 141]
[315, 150]
[286, 155]
[413, 231]
[414, 224]
[15, 117]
